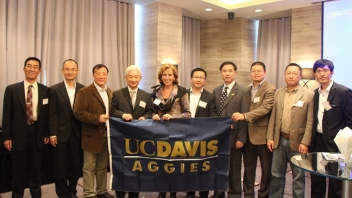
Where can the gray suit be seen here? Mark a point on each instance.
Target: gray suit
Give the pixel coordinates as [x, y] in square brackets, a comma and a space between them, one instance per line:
[237, 101]
[121, 103]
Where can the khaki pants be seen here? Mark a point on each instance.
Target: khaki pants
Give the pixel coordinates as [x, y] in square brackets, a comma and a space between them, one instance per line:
[95, 166]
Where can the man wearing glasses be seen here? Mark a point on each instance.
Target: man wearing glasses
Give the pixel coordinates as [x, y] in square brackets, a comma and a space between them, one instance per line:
[25, 128]
[202, 104]
[65, 131]
[332, 112]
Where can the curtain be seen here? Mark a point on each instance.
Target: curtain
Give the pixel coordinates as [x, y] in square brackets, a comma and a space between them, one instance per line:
[274, 48]
[190, 49]
[89, 31]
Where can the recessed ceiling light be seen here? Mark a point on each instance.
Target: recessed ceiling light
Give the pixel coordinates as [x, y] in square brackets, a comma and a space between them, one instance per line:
[258, 10]
[208, 9]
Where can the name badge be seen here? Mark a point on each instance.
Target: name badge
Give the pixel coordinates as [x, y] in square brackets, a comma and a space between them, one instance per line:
[45, 101]
[157, 102]
[299, 103]
[142, 104]
[202, 104]
[326, 105]
[256, 99]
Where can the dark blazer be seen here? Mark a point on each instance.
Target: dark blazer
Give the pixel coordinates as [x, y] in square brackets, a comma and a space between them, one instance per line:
[14, 122]
[338, 117]
[209, 99]
[61, 113]
[238, 100]
[88, 107]
[259, 113]
[121, 103]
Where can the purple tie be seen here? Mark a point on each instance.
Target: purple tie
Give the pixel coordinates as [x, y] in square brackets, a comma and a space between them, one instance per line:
[29, 105]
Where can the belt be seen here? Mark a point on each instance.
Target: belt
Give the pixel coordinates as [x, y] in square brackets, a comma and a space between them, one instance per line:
[317, 134]
[285, 135]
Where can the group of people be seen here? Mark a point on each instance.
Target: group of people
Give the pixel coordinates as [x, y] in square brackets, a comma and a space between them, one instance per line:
[267, 123]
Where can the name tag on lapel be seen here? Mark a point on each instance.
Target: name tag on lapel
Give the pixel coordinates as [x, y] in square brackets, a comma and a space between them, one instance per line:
[202, 104]
[142, 104]
[45, 101]
[299, 103]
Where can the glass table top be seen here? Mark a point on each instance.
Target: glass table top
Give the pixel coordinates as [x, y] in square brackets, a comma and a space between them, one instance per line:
[324, 164]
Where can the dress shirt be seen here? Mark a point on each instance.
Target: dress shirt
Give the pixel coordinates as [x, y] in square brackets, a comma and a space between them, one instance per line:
[193, 101]
[135, 95]
[254, 90]
[229, 87]
[323, 96]
[286, 114]
[71, 91]
[104, 95]
[34, 97]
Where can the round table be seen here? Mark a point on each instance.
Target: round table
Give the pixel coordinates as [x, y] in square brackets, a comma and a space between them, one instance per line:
[327, 165]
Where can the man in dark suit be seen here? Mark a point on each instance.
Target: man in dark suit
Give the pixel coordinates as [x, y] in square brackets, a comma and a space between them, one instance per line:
[131, 103]
[202, 104]
[65, 132]
[262, 97]
[332, 112]
[231, 97]
[92, 107]
[25, 128]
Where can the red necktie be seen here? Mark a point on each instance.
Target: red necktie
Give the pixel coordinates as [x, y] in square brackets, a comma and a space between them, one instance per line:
[29, 105]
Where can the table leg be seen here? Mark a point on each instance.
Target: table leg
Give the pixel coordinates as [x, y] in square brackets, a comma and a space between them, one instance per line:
[346, 188]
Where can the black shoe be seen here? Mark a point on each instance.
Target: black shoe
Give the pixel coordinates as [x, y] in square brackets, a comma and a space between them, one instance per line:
[162, 195]
[218, 195]
[105, 195]
[74, 196]
[189, 196]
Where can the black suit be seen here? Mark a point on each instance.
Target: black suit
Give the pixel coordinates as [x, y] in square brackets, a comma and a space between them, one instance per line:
[201, 111]
[338, 117]
[238, 100]
[67, 129]
[27, 140]
[121, 103]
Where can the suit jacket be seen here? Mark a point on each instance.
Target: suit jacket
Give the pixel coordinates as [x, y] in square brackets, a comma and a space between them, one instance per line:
[338, 117]
[61, 116]
[121, 103]
[301, 118]
[259, 113]
[88, 107]
[209, 99]
[237, 101]
[14, 123]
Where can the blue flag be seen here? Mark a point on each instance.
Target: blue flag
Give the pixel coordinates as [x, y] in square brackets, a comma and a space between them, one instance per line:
[170, 156]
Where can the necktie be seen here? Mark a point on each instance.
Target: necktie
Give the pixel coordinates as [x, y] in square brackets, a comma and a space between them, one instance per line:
[222, 100]
[29, 105]
[133, 98]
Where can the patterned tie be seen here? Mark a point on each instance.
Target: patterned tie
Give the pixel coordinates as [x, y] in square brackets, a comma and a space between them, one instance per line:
[222, 100]
[133, 98]
[29, 105]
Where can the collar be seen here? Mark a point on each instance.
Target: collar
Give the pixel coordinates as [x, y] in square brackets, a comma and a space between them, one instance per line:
[294, 90]
[35, 85]
[99, 88]
[66, 85]
[129, 89]
[327, 89]
[230, 85]
[260, 84]
[191, 90]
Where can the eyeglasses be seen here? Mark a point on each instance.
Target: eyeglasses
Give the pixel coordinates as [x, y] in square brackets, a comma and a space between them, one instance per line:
[35, 67]
[319, 71]
[293, 74]
[70, 70]
[199, 77]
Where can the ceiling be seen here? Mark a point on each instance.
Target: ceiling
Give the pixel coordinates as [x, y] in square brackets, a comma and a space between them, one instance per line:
[245, 9]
